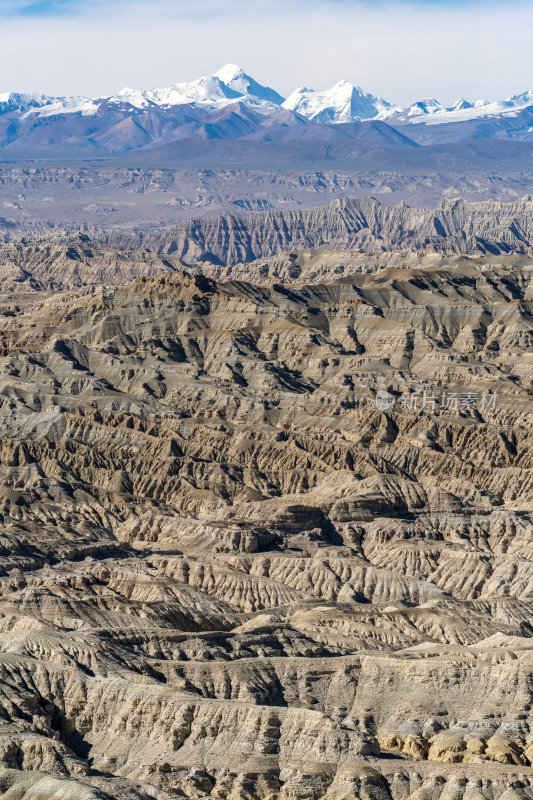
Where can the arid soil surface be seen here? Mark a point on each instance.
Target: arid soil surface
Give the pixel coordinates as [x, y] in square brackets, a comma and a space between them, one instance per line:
[230, 568]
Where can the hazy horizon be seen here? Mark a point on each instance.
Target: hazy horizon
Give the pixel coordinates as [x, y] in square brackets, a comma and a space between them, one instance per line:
[398, 50]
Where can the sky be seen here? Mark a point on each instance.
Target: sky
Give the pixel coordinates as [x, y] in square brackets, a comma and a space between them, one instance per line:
[403, 50]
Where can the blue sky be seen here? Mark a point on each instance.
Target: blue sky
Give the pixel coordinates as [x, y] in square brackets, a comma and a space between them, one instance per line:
[51, 8]
[43, 8]
[400, 49]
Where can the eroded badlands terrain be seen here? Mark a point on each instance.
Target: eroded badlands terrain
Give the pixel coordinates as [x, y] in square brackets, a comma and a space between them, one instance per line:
[226, 574]
[41, 198]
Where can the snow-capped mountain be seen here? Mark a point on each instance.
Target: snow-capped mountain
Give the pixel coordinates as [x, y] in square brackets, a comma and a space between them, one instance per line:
[236, 78]
[432, 112]
[420, 108]
[44, 105]
[227, 85]
[14, 101]
[207, 89]
[344, 102]
[232, 105]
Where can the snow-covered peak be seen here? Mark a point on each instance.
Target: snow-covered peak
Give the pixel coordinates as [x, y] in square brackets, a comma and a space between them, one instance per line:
[344, 102]
[66, 105]
[431, 112]
[422, 107]
[15, 101]
[207, 89]
[134, 97]
[236, 78]
[523, 99]
[44, 106]
[461, 104]
[230, 72]
[228, 84]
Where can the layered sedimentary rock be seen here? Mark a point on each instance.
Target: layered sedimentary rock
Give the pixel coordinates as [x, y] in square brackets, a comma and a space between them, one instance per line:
[73, 261]
[70, 261]
[38, 199]
[231, 569]
[455, 226]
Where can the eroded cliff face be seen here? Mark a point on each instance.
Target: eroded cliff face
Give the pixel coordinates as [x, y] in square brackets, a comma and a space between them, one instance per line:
[73, 261]
[455, 226]
[67, 261]
[227, 573]
[37, 200]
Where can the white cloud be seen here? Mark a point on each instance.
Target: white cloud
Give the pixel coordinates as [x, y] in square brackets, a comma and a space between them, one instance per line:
[402, 51]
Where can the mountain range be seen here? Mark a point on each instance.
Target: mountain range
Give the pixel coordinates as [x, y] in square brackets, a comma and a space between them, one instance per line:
[231, 105]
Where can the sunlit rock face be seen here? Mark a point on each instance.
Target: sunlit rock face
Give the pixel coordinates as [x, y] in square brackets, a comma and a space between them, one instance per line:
[267, 537]
[363, 224]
